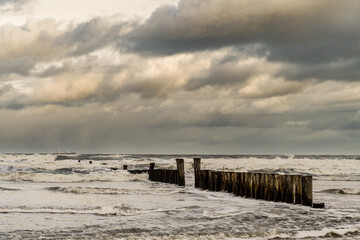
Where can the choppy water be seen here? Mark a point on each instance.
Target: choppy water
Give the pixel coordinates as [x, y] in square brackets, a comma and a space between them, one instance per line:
[67, 199]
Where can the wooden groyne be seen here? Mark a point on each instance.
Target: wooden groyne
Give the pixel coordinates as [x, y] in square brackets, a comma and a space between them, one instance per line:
[293, 189]
[168, 176]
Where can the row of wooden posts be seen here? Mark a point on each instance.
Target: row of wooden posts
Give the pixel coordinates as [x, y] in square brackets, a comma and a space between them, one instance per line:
[294, 189]
[168, 176]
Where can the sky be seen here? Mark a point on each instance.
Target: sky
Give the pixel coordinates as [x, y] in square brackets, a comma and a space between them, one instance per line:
[180, 76]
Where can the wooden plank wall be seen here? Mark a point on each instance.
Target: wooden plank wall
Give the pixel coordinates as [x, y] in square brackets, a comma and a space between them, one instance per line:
[168, 176]
[294, 189]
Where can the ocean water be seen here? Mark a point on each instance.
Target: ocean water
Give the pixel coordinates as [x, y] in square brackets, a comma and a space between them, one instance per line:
[45, 197]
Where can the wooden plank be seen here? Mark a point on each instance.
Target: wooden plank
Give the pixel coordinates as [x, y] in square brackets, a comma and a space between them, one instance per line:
[205, 176]
[298, 189]
[290, 190]
[248, 183]
[218, 180]
[151, 171]
[242, 184]
[271, 187]
[307, 191]
[197, 168]
[264, 186]
[235, 183]
[211, 181]
[282, 188]
[224, 181]
[255, 185]
[181, 171]
[230, 182]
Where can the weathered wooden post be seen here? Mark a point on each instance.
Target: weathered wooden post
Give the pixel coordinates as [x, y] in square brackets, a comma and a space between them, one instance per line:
[224, 181]
[271, 187]
[307, 190]
[256, 182]
[218, 180]
[151, 171]
[181, 171]
[211, 181]
[176, 177]
[199, 180]
[264, 185]
[242, 184]
[298, 189]
[197, 168]
[235, 183]
[125, 167]
[230, 182]
[248, 182]
[205, 177]
[277, 191]
[215, 180]
[290, 189]
[282, 187]
[168, 176]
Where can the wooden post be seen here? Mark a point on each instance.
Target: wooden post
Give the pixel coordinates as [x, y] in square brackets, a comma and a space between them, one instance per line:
[211, 181]
[168, 176]
[248, 182]
[151, 171]
[181, 171]
[256, 181]
[235, 183]
[264, 185]
[271, 187]
[298, 189]
[242, 184]
[290, 189]
[176, 178]
[161, 175]
[307, 190]
[199, 180]
[277, 182]
[282, 188]
[205, 177]
[197, 168]
[217, 181]
[125, 167]
[230, 182]
[224, 181]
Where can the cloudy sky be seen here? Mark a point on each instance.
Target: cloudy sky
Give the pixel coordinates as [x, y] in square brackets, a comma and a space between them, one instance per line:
[180, 76]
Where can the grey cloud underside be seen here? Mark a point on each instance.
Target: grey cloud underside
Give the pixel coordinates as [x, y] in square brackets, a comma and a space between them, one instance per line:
[314, 32]
[21, 66]
[92, 35]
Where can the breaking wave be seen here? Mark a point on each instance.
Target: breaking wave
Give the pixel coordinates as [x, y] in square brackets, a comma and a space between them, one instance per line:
[345, 191]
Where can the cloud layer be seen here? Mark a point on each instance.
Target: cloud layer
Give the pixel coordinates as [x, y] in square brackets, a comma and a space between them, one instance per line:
[202, 75]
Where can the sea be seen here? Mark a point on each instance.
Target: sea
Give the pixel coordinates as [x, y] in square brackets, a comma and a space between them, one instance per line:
[89, 196]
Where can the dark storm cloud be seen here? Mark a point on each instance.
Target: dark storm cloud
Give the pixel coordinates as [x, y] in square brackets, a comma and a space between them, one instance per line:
[348, 70]
[224, 72]
[301, 31]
